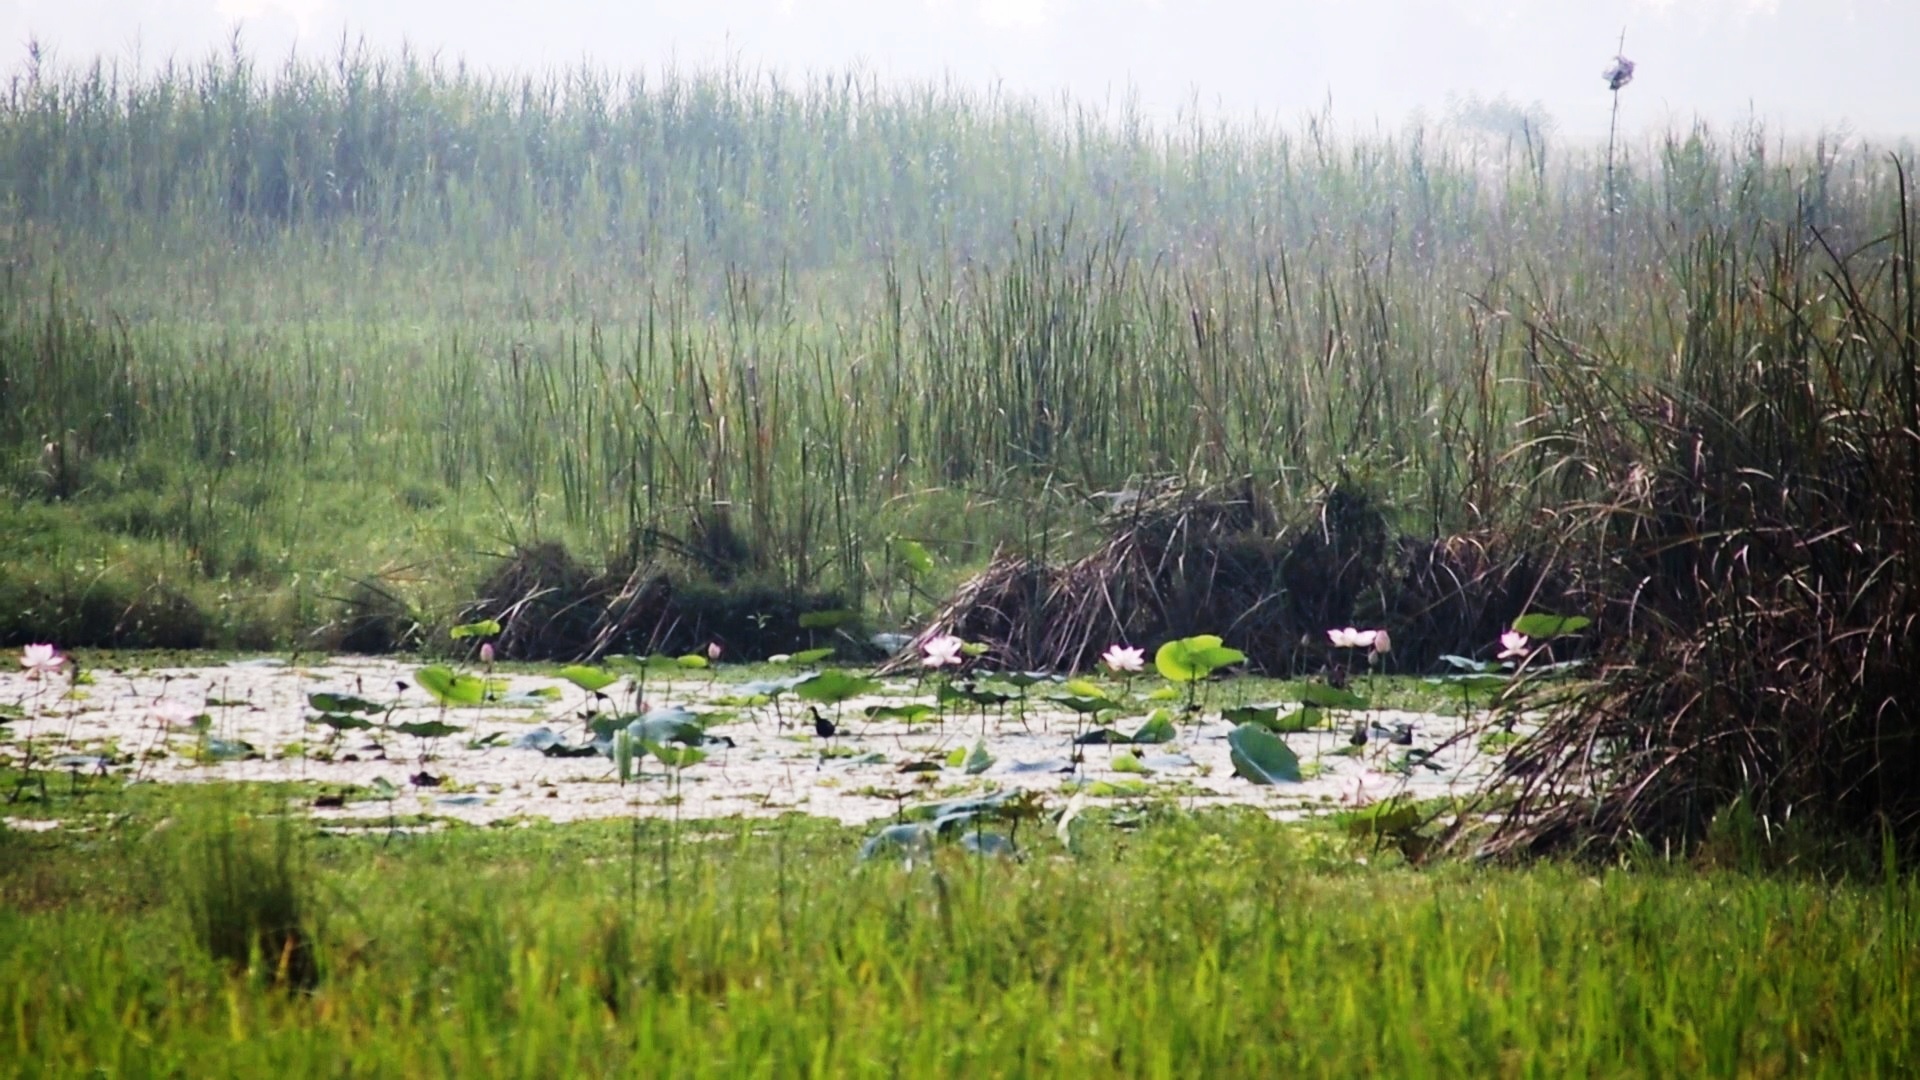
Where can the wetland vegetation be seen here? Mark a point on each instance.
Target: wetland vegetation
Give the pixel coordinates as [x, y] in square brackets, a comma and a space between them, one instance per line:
[357, 353]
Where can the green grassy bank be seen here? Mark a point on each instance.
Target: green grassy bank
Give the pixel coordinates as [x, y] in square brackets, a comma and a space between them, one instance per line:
[1223, 945]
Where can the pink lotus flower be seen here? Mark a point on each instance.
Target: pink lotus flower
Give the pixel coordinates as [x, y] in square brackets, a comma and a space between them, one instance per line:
[176, 714]
[1123, 660]
[713, 651]
[40, 660]
[1619, 73]
[1368, 787]
[1382, 644]
[942, 651]
[1513, 645]
[1349, 638]
[486, 653]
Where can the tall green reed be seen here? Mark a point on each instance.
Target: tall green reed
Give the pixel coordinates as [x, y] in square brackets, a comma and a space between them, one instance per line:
[788, 317]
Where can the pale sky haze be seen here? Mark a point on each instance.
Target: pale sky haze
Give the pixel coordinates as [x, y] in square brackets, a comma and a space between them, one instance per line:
[1801, 66]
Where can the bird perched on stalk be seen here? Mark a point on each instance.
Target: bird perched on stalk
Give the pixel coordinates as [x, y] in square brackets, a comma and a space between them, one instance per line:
[1619, 73]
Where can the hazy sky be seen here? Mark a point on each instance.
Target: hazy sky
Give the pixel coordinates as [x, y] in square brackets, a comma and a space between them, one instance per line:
[1801, 65]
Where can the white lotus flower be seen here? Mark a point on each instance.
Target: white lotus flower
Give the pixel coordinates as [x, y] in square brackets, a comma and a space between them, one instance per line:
[1368, 788]
[942, 651]
[1513, 645]
[1121, 659]
[176, 714]
[1349, 638]
[40, 660]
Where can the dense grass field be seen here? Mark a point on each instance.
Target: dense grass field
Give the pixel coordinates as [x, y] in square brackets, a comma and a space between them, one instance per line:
[1174, 946]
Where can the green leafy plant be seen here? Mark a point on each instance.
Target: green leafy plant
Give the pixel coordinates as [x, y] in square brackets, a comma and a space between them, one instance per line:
[1262, 757]
[1189, 661]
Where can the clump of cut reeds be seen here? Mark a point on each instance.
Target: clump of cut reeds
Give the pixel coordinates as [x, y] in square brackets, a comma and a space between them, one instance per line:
[1223, 560]
[1755, 525]
[1455, 594]
[551, 606]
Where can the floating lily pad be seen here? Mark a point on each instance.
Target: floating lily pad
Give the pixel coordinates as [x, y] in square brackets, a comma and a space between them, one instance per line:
[1275, 716]
[483, 628]
[1542, 626]
[986, 843]
[1194, 658]
[326, 702]
[1397, 814]
[951, 693]
[537, 698]
[541, 738]
[675, 757]
[342, 721]
[450, 687]
[1021, 680]
[1262, 757]
[1330, 697]
[905, 840]
[226, 750]
[665, 725]
[1118, 789]
[773, 688]
[427, 729]
[1085, 706]
[1158, 729]
[979, 761]
[912, 714]
[833, 686]
[591, 679]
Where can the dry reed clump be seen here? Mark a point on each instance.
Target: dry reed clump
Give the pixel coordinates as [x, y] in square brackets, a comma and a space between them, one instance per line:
[1457, 594]
[550, 606]
[374, 620]
[1220, 561]
[112, 611]
[1765, 657]
[1757, 536]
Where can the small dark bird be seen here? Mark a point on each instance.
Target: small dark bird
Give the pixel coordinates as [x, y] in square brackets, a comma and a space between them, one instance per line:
[822, 726]
[1359, 736]
[1398, 734]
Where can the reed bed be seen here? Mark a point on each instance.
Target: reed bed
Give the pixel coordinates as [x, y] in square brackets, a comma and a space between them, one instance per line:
[268, 333]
